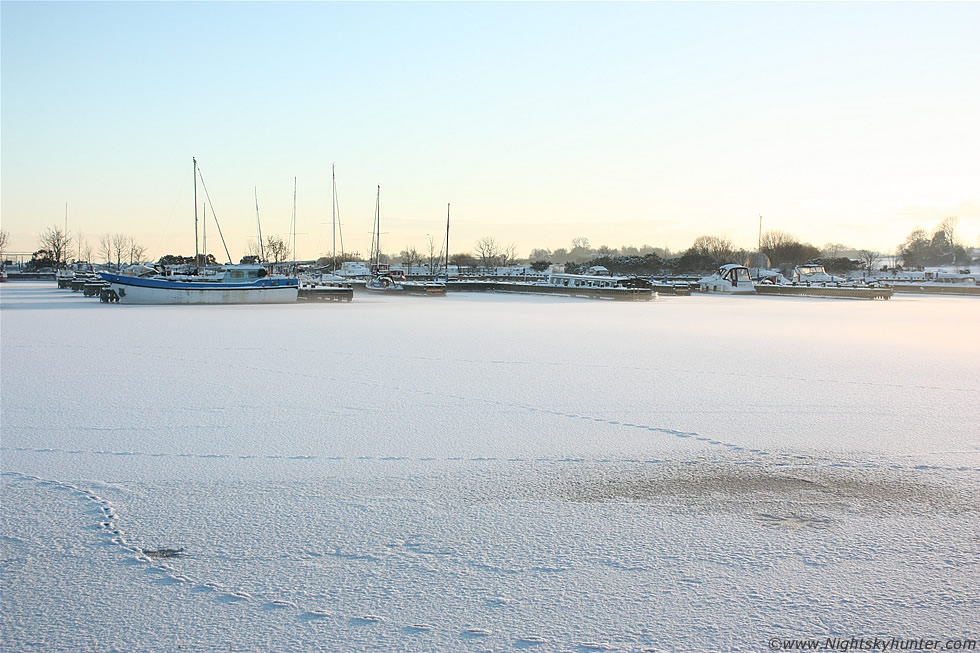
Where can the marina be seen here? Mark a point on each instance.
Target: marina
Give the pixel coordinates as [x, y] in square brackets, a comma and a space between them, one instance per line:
[662, 339]
[556, 453]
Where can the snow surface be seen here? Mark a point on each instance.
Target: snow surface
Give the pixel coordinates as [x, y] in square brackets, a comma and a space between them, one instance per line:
[487, 472]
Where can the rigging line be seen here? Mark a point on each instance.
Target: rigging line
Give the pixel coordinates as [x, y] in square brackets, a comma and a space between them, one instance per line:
[259, 222]
[213, 214]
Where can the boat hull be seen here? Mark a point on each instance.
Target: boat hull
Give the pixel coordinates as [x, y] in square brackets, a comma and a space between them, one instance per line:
[132, 290]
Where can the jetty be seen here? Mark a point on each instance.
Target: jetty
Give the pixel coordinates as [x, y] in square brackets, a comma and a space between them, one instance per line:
[617, 293]
[848, 292]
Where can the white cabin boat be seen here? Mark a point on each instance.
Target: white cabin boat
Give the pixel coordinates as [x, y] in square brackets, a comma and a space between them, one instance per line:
[353, 269]
[730, 278]
[233, 284]
[814, 273]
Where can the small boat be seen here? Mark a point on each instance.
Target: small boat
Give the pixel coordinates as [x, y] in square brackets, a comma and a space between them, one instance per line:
[227, 284]
[353, 269]
[730, 279]
[383, 278]
[814, 273]
[232, 284]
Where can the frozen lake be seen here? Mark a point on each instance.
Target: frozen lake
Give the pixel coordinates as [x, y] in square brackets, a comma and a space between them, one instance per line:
[487, 472]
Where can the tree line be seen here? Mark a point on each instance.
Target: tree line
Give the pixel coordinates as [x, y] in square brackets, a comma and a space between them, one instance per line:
[782, 250]
[57, 248]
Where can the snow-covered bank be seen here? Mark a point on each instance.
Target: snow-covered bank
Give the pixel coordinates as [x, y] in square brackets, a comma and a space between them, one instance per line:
[487, 473]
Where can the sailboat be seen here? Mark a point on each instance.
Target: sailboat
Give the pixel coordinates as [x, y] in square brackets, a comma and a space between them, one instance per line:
[383, 278]
[228, 284]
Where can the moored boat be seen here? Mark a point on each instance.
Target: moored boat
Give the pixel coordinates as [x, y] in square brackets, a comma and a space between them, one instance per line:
[730, 279]
[233, 284]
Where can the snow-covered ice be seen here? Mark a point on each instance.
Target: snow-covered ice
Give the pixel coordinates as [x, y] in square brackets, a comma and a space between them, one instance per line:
[487, 472]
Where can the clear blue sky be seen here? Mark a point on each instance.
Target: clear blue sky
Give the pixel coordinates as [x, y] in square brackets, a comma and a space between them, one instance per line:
[626, 123]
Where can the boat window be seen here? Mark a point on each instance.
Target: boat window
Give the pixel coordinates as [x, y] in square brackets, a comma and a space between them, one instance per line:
[237, 274]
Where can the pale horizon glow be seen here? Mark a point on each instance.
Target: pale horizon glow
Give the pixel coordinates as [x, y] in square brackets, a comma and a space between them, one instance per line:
[625, 123]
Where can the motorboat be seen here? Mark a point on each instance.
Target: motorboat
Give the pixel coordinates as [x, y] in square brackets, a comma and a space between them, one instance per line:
[730, 278]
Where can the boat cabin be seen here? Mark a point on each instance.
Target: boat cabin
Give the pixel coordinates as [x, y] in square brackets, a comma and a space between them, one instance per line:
[729, 278]
[584, 281]
[241, 273]
[353, 269]
[812, 273]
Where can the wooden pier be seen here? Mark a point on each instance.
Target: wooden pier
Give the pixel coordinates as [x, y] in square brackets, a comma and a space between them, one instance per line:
[616, 294]
[936, 289]
[325, 293]
[848, 292]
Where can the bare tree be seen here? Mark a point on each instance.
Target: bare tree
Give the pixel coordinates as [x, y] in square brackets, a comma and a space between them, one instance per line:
[869, 259]
[948, 229]
[4, 237]
[83, 247]
[56, 241]
[136, 251]
[276, 248]
[581, 250]
[410, 258]
[105, 247]
[510, 254]
[120, 246]
[833, 250]
[774, 244]
[432, 254]
[488, 251]
[252, 250]
[785, 250]
[714, 247]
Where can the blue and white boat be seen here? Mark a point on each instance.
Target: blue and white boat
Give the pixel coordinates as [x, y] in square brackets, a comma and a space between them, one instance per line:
[232, 284]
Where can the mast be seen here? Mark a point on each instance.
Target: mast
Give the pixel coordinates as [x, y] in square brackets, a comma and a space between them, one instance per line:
[259, 222]
[333, 211]
[195, 213]
[294, 223]
[204, 231]
[65, 239]
[447, 241]
[377, 228]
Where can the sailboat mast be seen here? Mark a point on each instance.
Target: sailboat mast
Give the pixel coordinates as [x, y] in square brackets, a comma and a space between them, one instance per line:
[204, 231]
[333, 211]
[259, 222]
[294, 223]
[447, 241]
[377, 227]
[195, 213]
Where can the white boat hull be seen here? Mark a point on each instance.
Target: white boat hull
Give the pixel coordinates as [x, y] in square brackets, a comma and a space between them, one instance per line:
[137, 295]
[142, 291]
